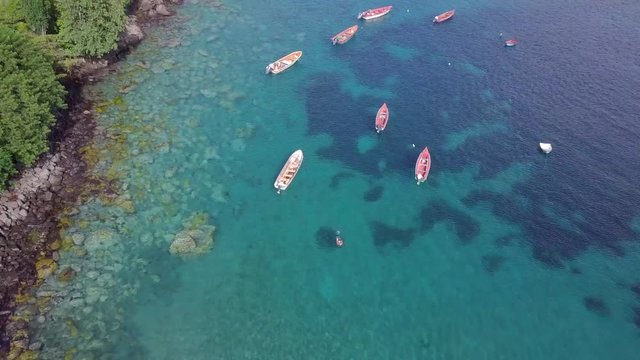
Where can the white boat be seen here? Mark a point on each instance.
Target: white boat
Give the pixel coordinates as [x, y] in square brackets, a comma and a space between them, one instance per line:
[546, 147]
[375, 13]
[283, 63]
[289, 171]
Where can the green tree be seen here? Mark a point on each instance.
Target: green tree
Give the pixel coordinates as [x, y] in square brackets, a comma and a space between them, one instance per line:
[90, 27]
[38, 14]
[30, 94]
[10, 12]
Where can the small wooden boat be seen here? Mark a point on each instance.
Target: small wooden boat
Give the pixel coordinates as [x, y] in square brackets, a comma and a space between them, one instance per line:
[375, 13]
[283, 63]
[289, 171]
[511, 43]
[423, 165]
[344, 35]
[382, 117]
[444, 16]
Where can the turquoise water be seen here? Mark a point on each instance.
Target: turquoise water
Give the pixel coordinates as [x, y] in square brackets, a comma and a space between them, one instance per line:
[502, 254]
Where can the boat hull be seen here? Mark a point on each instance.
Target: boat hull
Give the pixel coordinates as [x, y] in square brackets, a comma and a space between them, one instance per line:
[382, 118]
[545, 147]
[345, 35]
[423, 166]
[510, 43]
[283, 63]
[289, 171]
[444, 16]
[375, 13]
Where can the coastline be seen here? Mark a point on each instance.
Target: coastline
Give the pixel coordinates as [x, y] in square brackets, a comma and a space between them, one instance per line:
[30, 210]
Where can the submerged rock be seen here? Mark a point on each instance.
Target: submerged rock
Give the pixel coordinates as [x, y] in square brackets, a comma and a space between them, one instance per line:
[197, 238]
[183, 243]
[45, 267]
[66, 275]
[77, 239]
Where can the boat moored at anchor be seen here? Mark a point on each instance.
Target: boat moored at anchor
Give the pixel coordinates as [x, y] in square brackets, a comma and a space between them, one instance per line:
[375, 13]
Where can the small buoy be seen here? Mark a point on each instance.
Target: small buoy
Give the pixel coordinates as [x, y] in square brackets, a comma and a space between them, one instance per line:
[413, 145]
[407, 10]
[546, 147]
[500, 34]
[449, 64]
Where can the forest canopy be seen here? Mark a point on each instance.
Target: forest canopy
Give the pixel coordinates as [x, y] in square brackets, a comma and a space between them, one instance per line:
[30, 95]
[83, 27]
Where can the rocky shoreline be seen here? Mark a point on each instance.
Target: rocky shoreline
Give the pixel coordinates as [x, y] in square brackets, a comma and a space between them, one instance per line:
[31, 208]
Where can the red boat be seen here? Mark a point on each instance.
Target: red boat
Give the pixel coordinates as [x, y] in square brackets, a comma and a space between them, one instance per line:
[444, 16]
[511, 43]
[344, 35]
[382, 117]
[374, 13]
[423, 165]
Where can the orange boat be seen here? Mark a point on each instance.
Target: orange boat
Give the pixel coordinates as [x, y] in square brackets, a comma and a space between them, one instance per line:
[423, 165]
[283, 63]
[344, 35]
[375, 13]
[382, 117]
[444, 16]
[289, 171]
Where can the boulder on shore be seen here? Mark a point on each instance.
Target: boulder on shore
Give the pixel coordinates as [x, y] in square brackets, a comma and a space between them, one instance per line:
[132, 34]
[162, 10]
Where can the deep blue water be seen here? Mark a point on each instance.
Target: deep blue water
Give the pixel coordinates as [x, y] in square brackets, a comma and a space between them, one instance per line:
[573, 81]
[504, 253]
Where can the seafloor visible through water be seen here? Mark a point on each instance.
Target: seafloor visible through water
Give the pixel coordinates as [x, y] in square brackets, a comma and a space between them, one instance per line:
[504, 253]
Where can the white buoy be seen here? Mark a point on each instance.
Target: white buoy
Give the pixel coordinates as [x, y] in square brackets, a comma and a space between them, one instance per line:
[546, 147]
[449, 64]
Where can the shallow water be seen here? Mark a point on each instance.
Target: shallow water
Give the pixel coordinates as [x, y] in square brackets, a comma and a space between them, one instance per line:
[503, 253]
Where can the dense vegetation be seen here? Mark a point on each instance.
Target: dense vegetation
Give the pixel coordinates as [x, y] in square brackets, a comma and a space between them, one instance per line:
[82, 27]
[34, 34]
[90, 27]
[30, 94]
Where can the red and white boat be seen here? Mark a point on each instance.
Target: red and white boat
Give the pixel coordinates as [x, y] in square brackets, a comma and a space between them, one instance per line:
[511, 43]
[289, 171]
[375, 13]
[283, 63]
[423, 165]
[345, 35]
[382, 117]
[444, 16]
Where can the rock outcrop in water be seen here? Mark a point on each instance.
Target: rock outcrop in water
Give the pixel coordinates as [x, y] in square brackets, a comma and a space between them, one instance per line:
[196, 239]
[157, 8]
